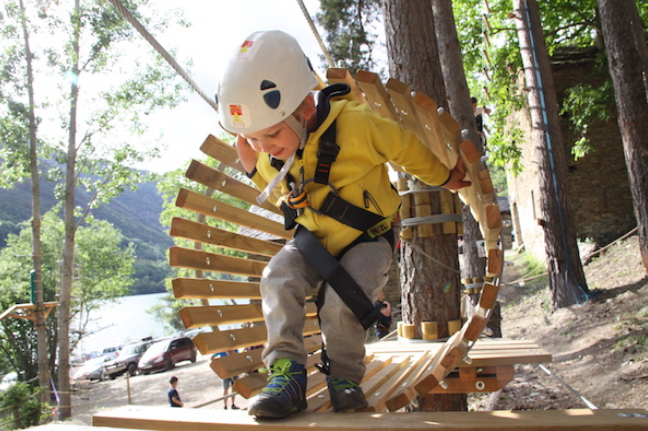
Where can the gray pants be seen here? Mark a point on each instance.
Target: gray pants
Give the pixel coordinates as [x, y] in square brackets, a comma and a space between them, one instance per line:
[289, 279]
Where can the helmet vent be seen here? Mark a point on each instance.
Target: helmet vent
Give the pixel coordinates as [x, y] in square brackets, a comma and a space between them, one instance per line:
[266, 85]
[272, 98]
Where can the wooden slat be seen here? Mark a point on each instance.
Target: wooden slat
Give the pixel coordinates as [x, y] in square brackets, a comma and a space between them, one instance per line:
[180, 257]
[235, 364]
[469, 382]
[216, 315]
[401, 95]
[211, 207]
[210, 177]
[221, 151]
[194, 288]
[223, 341]
[452, 132]
[201, 316]
[338, 75]
[166, 419]
[426, 109]
[376, 94]
[203, 233]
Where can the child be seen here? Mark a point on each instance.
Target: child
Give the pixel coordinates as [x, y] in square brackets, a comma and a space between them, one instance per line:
[172, 393]
[328, 156]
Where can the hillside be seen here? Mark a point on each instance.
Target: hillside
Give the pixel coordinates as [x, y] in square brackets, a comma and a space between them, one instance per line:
[135, 213]
[600, 348]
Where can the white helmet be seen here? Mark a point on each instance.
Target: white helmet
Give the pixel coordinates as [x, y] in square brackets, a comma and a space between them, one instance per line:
[264, 83]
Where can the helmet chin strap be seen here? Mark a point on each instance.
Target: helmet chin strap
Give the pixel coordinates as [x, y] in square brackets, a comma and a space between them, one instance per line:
[302, 132]
[299, 129]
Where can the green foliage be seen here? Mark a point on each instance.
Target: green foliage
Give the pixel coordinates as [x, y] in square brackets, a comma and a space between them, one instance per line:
[103, 272]
[23, 403]
[498, 177]
[347, 24]
[585, 104]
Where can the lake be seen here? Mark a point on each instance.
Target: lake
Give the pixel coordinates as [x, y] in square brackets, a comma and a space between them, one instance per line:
[121, 322]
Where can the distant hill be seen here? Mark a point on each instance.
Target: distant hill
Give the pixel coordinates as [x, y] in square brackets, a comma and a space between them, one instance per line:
[135, 213]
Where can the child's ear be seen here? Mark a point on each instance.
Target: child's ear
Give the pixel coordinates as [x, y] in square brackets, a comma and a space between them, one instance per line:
[309, 106]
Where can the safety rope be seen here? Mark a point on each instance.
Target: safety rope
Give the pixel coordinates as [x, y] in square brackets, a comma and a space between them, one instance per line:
[311, 24]
[154, 43]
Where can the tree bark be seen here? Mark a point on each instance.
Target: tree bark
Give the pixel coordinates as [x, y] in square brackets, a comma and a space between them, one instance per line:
[431, 287]
[627, 64]
[37, 258]
[566, 277]
[474, 266]
[65, 294]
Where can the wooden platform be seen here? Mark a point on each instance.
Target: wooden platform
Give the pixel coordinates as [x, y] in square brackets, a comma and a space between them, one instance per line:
[167, 419]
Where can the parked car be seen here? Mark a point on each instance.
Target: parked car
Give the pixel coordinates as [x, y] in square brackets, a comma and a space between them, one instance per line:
[93, 369]
[164, 354]
[127, 359]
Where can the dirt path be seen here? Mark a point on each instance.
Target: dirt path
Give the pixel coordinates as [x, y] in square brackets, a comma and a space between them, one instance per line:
[197, 385]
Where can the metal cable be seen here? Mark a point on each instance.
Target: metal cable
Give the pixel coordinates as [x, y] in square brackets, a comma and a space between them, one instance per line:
[154, 43]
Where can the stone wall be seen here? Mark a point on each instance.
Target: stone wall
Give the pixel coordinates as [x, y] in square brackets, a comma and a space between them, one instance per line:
[599, 195]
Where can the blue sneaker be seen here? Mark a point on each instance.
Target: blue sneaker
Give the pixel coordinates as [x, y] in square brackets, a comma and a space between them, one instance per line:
[284, 394]
[346, 395]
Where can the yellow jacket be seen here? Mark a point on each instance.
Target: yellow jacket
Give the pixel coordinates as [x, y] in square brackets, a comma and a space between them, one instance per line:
[367, 142]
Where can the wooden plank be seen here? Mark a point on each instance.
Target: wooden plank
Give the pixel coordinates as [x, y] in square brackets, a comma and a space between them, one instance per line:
[427, 112]
[341, 75]
[452, 133]
[217, 180]
[376, 94]
[194, 288]
[166, 419]
[401, 95]
[205, 234]
[222, 151]
[235, 364]
[180, 257]
[476, 383]
[488, 295]
[223, 341]
[211, 207]
[201, 316]
[495, 262]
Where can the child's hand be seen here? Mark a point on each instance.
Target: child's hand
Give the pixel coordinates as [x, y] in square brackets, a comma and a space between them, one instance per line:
[246, 154]
[457, 175]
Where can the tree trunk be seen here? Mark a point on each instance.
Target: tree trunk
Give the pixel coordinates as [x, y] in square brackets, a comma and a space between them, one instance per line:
[37, 257]
[566, 277]
[430, 287]
[65, 294]
[627, 67]
[474, 266]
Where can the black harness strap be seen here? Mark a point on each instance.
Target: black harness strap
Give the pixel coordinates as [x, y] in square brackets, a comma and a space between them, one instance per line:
[349, 214]
[340, 280]
[327, 152]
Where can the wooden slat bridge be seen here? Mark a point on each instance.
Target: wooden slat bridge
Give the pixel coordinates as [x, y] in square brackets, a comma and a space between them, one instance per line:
[397, 371]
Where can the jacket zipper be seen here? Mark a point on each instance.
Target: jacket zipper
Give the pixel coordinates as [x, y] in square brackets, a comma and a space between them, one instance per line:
[369, 199]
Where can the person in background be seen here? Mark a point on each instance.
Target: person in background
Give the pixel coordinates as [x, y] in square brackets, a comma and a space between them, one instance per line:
[172, 393]
[478, 112]
[385, 320]
[228, 382]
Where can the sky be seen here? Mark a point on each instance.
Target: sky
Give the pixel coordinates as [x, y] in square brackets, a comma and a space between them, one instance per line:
[218, 27]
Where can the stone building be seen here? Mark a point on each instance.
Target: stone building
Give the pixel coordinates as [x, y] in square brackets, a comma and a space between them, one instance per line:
[599, 195]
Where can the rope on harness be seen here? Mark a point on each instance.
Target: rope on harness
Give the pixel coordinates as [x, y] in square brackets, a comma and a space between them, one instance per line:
[160, 49]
